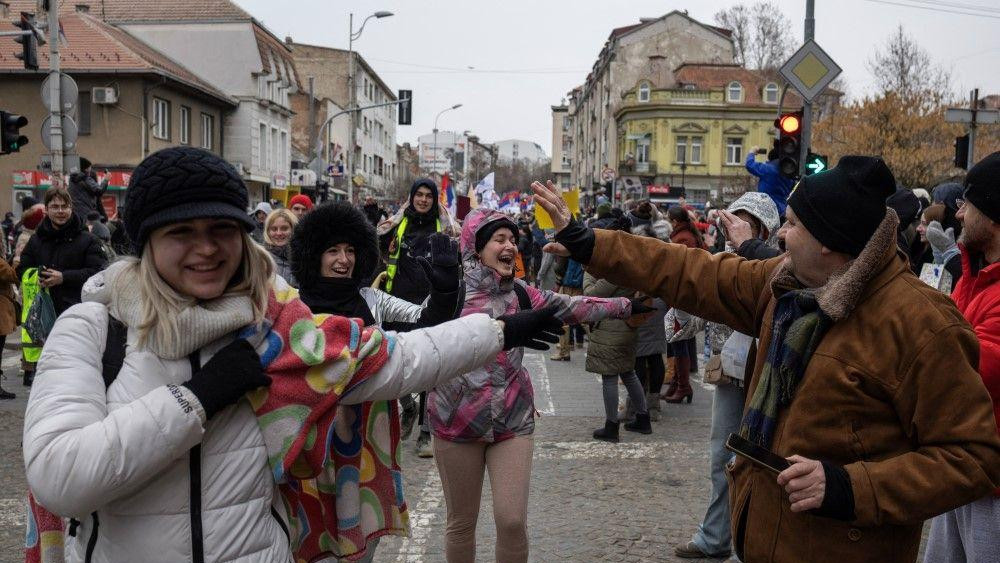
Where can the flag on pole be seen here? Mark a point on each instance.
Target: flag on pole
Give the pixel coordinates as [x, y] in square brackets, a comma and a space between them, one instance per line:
[510, 201]
[485, 193]
[446, 197]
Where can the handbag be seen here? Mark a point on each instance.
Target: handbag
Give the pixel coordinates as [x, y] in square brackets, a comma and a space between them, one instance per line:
[41, 317]
[713, 370]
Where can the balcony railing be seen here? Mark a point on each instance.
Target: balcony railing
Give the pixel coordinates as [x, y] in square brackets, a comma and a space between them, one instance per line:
[633, 168]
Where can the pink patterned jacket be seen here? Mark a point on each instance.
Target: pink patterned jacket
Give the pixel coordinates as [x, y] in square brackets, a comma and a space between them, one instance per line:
[496, 402]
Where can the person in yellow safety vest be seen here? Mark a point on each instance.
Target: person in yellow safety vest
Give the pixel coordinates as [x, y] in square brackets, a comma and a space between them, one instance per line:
[403, 237]
[29, 352]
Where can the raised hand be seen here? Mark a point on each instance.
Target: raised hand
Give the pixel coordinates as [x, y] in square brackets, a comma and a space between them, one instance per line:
[549, 196]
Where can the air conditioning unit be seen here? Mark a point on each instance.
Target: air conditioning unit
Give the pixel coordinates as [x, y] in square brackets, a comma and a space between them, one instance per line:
[104, 96]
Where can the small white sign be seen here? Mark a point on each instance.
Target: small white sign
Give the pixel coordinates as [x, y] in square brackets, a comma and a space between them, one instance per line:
[936, 276]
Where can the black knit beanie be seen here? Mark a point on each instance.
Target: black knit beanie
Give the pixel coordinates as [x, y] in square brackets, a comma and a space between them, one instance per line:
[982, 186]
[178, 184]
[843, 206]
[485, 233]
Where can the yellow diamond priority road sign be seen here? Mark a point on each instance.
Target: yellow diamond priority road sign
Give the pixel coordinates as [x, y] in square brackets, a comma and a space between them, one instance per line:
[810, 70]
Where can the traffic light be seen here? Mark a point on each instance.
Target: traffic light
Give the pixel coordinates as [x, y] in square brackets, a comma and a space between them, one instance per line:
[406, 108]
[962, 151]
[815, 163]
[29, 42]
[11, 139]
[789, 127]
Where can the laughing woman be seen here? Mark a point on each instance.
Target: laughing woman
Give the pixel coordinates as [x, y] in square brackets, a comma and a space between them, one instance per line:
[335, 253]
[278, 229]
[167, 462]
[485, 419]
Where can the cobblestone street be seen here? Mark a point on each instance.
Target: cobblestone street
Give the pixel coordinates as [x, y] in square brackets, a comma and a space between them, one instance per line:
[590, 501]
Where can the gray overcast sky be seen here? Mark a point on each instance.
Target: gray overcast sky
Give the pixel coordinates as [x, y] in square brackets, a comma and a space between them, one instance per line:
[427, 46]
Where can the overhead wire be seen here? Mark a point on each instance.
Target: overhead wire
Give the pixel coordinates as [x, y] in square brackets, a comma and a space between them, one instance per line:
[933, 9]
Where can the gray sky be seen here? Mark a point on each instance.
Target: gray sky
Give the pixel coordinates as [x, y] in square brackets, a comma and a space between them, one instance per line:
[527, 54]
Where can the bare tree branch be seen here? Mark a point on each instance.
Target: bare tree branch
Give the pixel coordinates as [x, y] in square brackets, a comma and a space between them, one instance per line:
[762, 34]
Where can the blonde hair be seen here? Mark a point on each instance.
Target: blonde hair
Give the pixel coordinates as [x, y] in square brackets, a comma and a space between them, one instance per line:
[161, 304]
[274, 216]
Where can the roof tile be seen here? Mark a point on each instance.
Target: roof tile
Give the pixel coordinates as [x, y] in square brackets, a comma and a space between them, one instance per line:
[93, 45]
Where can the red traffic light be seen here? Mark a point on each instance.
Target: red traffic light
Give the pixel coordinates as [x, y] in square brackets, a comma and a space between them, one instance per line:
[789, 124]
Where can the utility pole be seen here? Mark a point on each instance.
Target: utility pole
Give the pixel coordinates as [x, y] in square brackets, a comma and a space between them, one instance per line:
[807, 110]
[353, 101]
[974, 105]
[55, 105]
[312, 122]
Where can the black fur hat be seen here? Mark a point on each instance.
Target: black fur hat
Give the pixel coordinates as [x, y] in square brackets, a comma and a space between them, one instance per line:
[325, 226]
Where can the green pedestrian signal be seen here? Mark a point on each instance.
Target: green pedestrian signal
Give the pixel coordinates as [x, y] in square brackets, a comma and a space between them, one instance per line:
[815, 163]
[11, 139]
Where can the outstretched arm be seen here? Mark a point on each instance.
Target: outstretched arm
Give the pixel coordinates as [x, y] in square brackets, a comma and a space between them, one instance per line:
[721, 288]
[580, 309]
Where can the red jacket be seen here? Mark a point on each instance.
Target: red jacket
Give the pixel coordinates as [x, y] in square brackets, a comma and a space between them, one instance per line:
[978, 298]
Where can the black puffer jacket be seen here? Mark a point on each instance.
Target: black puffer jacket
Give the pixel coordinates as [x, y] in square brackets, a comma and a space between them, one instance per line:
[410, 282]
[333, 223]
[86, 193]
[71, 250]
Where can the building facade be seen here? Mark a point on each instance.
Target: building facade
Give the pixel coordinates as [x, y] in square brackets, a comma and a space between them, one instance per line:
[373, 160]
[562, 146]
[697, 132]
[648, 50]
[519, 149]
[249, 64]
[154, 103]
[444, 152]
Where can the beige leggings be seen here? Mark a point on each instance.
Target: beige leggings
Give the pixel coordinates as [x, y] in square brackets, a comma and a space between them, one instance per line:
[461, 465]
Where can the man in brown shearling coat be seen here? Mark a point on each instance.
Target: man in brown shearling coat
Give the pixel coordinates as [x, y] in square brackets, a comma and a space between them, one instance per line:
[864, 377]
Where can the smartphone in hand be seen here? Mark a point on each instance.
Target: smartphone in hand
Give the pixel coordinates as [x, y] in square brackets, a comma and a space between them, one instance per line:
[756, 453]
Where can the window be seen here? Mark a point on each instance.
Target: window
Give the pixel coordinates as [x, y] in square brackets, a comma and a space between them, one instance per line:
[185, 125]
[283, 164]
[207, 131]
[642, 150]
[734, 93]
[695, 150]
[262, 149]
[161, 119]
[734, 150]
[771, 93]
[644, 92]
[364, 164]
[272, 157]
[682, 149]
[83, 109]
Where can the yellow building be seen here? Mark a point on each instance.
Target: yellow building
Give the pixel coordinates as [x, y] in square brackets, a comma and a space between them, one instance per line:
[697, 131]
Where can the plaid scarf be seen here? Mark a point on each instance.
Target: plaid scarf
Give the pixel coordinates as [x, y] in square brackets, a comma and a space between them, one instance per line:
[799, 325]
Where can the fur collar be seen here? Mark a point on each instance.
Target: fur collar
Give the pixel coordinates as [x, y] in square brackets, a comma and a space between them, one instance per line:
[842, 292]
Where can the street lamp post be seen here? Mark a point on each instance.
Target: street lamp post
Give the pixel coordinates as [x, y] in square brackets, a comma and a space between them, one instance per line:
[435, 150]
[352, 36]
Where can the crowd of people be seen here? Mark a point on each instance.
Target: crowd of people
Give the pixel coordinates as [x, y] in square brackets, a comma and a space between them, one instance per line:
[231, 385]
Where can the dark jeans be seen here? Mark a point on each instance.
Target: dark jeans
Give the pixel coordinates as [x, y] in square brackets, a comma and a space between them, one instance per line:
[651, 372]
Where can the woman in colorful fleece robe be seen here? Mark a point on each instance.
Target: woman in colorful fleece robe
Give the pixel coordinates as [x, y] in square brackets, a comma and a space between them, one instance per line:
[485, 419]
[167, 462]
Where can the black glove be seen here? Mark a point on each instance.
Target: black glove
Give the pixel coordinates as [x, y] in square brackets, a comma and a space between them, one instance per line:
[838, 499]
[230, 374]
[638, 307]
[531, 328]
[578, 239]
[444, 267]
